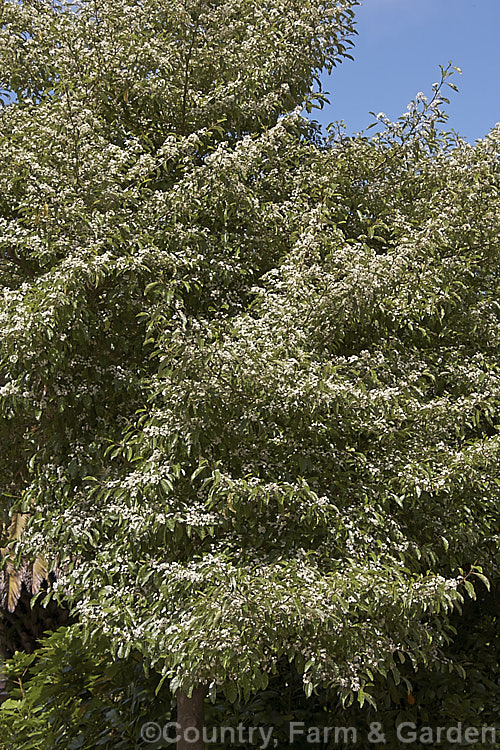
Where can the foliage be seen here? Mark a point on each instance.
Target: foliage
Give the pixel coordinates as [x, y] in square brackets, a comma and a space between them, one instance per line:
[74, 698]
[250, 383]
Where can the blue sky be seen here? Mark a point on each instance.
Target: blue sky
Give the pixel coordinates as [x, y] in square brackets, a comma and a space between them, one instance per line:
[398, 50]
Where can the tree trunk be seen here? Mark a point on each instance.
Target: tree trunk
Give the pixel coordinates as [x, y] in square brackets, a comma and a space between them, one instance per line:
[190, 718]
[3, 688]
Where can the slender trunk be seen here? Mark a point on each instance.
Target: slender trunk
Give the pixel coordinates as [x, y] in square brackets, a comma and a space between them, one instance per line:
[190, 717]
[3, 688]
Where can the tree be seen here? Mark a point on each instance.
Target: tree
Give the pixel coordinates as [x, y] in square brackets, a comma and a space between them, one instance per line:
[115, 111]
[250, 378]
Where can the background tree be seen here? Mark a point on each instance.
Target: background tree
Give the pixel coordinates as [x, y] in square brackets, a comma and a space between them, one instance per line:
[251, 377]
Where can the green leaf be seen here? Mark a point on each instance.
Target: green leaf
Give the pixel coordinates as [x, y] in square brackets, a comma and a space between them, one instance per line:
[231, 692]
[482, 578]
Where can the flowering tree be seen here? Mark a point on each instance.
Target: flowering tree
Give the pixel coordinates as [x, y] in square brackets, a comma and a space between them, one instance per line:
[250, 379]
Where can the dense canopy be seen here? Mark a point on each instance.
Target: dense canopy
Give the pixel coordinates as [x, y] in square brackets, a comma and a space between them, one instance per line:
[250, 379]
